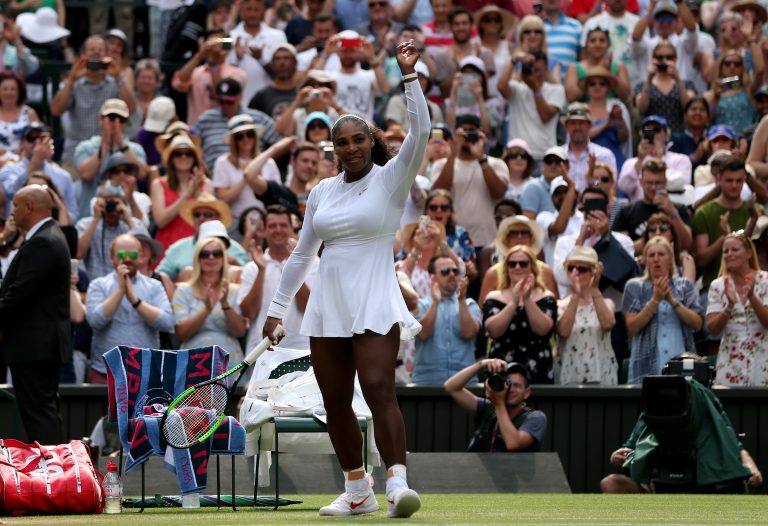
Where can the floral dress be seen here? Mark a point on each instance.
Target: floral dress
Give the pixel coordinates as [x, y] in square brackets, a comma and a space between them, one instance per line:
[743, 356]
[586, 356]
[520, 344]
[10, 132]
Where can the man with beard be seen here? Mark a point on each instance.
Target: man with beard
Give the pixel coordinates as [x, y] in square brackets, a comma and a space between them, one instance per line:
[449, 323]
[475, 180]
[276, 97]
[125, 307]
[447, 59]
[578, 122]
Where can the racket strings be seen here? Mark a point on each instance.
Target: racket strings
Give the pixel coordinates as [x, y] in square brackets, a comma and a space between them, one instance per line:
[195, 415]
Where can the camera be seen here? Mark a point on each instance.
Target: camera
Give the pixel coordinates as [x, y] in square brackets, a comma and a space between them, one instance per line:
[226, 43]
[320, 47]
[662, 67]
[497, 382]
[110, 207]
[648, 133]
[327, 147]
[730, 83]
[527, 69]
[94, 64]
[315, 94]
[472, 137]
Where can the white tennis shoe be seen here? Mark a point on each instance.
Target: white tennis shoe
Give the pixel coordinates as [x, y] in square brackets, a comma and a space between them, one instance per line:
[402, 502]
[351, 504]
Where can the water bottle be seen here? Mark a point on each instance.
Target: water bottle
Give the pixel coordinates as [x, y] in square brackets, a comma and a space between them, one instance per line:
[113, 490]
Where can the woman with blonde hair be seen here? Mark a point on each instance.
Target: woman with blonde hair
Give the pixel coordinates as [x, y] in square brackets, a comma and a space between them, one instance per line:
[662, 312]
[730, 99]
[736, 307]
[205, 307]
[584, 323]
[520, 316]
[229, 182]
[185, 178]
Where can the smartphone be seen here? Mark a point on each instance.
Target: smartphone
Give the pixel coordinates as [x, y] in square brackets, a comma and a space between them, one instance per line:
[320, 47]
[590, 205]
[315, 94]
[649, 132]
[423, 222]
[226, 43]
[93, 64]
[472, 137]
[74, 266]
[437, 135]
[327, 147]
[662, 66]
[468, 78]
[730, 83]
[350, 42]
[527, 69]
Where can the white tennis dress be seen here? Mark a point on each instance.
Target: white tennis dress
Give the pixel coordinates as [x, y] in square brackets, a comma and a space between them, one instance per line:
[356, 288]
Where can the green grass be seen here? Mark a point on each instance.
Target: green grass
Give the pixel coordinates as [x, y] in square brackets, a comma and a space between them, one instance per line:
[485, 509]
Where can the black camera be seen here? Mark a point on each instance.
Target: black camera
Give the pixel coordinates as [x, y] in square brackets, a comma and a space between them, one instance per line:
[95, 64]
[472, 137]
[497, 382]
[527, 69]
[662, 67]
[649, 132]
[110, 207]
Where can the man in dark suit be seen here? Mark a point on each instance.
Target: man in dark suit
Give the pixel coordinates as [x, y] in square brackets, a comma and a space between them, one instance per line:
[34, 314]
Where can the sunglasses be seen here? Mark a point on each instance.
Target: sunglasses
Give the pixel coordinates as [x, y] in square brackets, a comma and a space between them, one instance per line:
[525, 32]
[121, 170]
[517, 155]
[182, 153]
[733, 63]
[317, 125]
[248, 134]
[518, 233]
[593, 83]
[665, 18]
[127, 254]
[551, 159]
[206, 254]
[435, 208]
[446, 271]
[581, 269]
[378, 4]
[664, 58]
[604, 179]
[661, 227]
[115, 117]
[491, 20]
[206, 214]
[512, 263]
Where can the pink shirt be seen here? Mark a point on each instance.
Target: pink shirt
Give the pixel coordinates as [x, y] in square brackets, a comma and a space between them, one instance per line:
[629, 179]
[201, 93]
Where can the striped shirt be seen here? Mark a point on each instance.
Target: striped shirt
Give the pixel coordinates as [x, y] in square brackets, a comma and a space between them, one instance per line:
[212, 127]
[563, 41]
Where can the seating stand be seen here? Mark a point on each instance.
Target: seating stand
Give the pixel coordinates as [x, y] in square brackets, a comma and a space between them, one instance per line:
[285, 424]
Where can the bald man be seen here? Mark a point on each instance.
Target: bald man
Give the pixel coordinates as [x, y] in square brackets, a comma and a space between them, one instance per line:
[34, 314]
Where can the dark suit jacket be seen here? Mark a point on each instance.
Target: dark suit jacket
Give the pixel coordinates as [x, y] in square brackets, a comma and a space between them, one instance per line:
[34, 300]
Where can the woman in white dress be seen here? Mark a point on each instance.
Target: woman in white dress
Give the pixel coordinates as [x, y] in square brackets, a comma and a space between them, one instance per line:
[356, 314]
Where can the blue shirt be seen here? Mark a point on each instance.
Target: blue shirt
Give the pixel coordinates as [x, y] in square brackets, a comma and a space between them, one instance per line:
[87, 149]
[126, 326]
[563, 41]
[97, 262]
[536, 197]
[14, 176]
[446, 351]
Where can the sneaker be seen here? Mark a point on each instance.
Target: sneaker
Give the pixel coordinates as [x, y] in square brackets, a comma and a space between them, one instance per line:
[351, 504]
[402, 502]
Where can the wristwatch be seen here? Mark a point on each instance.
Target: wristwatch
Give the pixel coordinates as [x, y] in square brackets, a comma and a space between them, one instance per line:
[483, 160]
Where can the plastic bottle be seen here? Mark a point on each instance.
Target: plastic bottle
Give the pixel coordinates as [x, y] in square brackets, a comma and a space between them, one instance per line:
[113, 490]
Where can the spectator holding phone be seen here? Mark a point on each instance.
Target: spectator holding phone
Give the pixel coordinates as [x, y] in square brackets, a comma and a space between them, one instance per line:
[730, 98]
[654, 140]
[125, 307]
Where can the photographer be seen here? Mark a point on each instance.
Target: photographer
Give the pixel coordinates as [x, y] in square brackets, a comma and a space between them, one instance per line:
[506, 390]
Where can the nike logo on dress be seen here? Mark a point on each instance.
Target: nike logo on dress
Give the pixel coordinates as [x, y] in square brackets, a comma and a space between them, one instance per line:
[390, 501]
[354, 505]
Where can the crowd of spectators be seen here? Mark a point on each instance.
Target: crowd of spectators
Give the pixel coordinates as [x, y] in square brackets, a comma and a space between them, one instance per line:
[590, 203]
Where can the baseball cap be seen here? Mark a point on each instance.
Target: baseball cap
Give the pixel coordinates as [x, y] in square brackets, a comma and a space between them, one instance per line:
[117, 33]
[557, 151]
[578, 111]
[557, 182]
[286, 47]
[515, 367]
[37, 127]
[159, 114]
[115, 107]
[475, 62]
[665, 8]
[657, 119]
[468, 118]
[228, 89]
[721, 130]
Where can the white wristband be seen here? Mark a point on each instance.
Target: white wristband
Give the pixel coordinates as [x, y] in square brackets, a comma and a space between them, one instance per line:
[410, 76]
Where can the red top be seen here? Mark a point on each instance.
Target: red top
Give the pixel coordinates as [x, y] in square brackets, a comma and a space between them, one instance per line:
[177, 228]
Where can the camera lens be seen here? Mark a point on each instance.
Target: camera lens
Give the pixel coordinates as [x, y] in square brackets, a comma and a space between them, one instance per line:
[497, 382]
[111, 206]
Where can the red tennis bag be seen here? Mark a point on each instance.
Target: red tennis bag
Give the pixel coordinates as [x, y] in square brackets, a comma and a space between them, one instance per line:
[36, 480]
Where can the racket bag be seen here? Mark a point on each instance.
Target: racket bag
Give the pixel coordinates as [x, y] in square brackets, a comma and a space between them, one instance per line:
[38, 480]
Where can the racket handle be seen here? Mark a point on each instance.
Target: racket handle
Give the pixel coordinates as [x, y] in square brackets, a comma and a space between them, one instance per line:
[263, 345]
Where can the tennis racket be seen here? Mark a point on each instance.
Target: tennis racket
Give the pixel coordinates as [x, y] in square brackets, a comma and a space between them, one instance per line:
[195, 414]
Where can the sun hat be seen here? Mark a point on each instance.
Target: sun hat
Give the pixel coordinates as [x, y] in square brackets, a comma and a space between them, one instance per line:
[214, 228]
[182, 141]
[582, 254]
[597, 72]
[175, 128]
[506, 225]
[42, 26]
[507, 18]
[206, 200]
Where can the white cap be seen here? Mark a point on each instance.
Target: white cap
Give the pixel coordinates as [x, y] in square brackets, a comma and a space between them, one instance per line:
[556, 183]
[472, 60]
[117, 33]
[214, 228]
[159, 114]
[558, 151]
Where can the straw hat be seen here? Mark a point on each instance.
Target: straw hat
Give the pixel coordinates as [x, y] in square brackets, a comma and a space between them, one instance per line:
[182, 142]
[173, 129]
[760, 11]
[206, 200]
[582, 254]
[408, 232]
[508, 223]
[507, 18]
[595, 72]
[241, 123]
